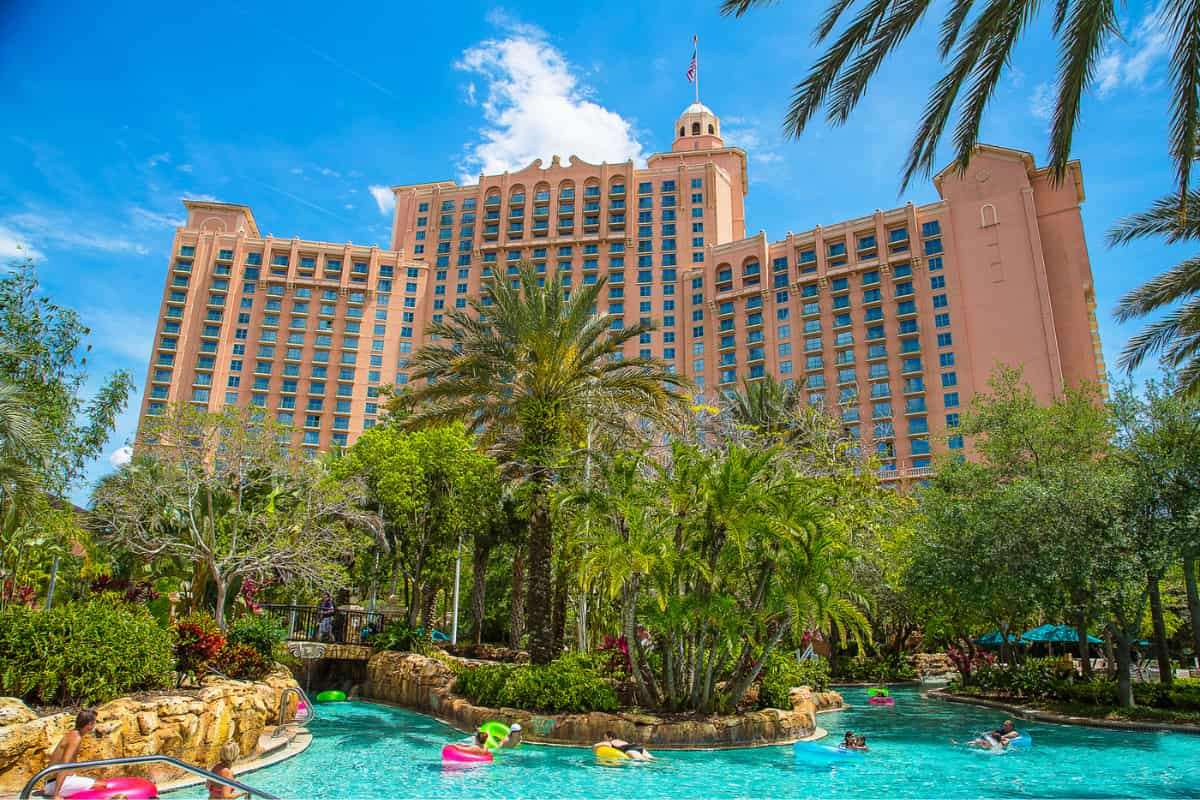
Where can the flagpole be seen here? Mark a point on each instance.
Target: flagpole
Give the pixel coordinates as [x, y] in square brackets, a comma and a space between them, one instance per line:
[696, 46]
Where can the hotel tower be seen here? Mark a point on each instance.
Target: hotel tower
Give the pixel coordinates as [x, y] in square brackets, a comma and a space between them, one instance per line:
[893, 320]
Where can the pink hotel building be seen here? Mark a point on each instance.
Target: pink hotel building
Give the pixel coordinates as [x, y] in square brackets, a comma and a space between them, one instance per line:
[893, 319]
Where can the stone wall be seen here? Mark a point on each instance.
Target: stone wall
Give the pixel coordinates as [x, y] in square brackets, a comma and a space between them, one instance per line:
[188, 725]
[424, 684]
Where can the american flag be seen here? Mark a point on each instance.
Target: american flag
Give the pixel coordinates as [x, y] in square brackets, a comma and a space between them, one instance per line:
[691, 73]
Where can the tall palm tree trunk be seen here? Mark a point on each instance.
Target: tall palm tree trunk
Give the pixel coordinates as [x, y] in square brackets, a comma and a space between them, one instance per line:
[541, 565]
[516, 618]
[1166, 674]
[1193, 599]
[558, 617]
[479, 564]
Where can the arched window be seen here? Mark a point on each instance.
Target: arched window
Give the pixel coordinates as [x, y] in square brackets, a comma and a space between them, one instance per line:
[695, 129]
[682, 131]
[987, 216]
[711, 131]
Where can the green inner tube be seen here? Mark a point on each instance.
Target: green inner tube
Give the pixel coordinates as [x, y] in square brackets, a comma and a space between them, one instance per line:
[496, 731]
[877, 691]
[331, 696]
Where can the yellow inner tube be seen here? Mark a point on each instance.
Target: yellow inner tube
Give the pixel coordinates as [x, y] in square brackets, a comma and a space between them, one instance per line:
[604, 751]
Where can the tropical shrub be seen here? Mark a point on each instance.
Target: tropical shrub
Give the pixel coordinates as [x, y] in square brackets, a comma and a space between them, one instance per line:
[139, 592]
[889, 669]
[1182, 695]
[1032, 678]
[782, 672]
[242, 661]
[262, 632]
[397, 634]
[568, 684]
[197, 641]
[82, 653]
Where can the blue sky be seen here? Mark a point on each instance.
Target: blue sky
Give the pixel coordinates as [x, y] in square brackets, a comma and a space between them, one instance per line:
[114, 112]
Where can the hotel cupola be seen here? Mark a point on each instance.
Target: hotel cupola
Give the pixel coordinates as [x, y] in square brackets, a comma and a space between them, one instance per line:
[697, 128]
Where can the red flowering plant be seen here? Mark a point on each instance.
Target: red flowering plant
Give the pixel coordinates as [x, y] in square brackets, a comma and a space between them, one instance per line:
[969, 662]
[13, 595]
[250, 591]
[241, 661]
[615, 657]
[198, 640]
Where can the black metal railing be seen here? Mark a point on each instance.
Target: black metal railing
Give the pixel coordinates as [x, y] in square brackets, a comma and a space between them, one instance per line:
[81, 766]
[304, 624]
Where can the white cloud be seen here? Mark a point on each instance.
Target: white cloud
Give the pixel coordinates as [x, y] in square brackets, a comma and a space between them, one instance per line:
[121, 332]
[40, 230]
[16, 246]
[1041, 102]
[185, 168]
[158, 158]
[750, 139]
[329, 173]
[121, 456]
[155, 219]
[348, 206]
[201, 198]
[1130, 63]
[383, 198]
[297, 171]
[534, 106]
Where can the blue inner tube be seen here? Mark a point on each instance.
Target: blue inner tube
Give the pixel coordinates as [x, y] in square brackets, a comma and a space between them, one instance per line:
[817, 753]
[1022, 742]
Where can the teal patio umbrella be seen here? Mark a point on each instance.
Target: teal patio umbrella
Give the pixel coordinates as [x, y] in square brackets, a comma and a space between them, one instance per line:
[1055, 634]
[995, 639]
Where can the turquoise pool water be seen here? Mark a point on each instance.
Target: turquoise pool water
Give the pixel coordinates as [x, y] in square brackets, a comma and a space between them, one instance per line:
[371, 751]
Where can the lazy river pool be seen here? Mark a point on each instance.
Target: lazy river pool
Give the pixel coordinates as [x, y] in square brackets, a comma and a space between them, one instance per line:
[362, 750]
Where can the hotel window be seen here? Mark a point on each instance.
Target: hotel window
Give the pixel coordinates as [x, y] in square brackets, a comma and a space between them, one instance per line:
[940, 301]
[945, 339]
[935, 264]
[837, 249]
[937, 282]
[949, 379]
[955, 442]
[941, 320]
[932, 228]
[946, 359]
[950, 400]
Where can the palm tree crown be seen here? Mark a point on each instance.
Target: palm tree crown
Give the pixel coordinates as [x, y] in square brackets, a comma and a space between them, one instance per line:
[978, 40]
[1176, 335]
[526, 367]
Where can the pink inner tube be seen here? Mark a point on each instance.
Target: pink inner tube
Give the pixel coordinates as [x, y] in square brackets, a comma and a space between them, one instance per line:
[452, 754]
[882, 701]
[132, 788]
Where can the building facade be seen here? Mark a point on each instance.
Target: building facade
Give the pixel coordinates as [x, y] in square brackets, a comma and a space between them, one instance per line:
[892, 320]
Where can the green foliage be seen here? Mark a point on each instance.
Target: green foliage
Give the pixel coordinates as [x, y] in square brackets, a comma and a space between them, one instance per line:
[82, 653]
[43, 354]
[885, 669]
[1043, 682]
[569, 684]
[242, 661]
[1033, 678]
[263, 632]
[783, 672]
[257, 511]
[398, 635]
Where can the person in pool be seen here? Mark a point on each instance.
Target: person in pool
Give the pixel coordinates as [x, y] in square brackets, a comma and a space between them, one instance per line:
[852, 742]
[230, 752]
[635, 751]
[476, 745]
[514, 737]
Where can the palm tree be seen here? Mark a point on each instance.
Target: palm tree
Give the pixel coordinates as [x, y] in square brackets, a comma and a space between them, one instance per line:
[978, 48]
[765, 405]
[22, 440]
[522, 368]
[1175, 336]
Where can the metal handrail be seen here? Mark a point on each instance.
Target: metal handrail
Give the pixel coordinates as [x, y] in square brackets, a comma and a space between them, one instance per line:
[283, 697]
[27, 792]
